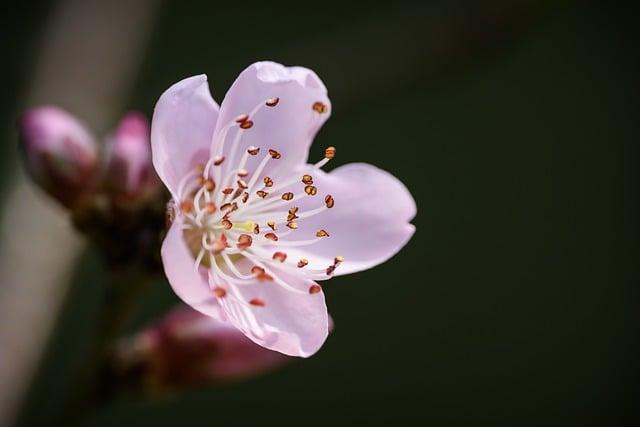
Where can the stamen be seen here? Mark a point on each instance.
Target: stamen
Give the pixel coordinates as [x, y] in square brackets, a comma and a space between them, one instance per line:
[319, 107]
[217, 160]
[245, 197]
[330, 270]
[257, 302]
[271, 236]
[268, 182]
[292, 225]
[274, 154]
[279, 256]
[253, 150]
[227, 191]
[262, 194]
[272, 225]
[256, 229]
[330, 152]
[186, 206]
[307, 179]
[244, 241]
[220, 244]
[247, 124]
[272, 102]
[242, 184]
[210, 207]
[226, 224]
[242, 118]
[219, 292]
[328, 200]
[243, 173]
[314, 289]
[311, 190]
[287, 196]
[337, 260]
[302, 263]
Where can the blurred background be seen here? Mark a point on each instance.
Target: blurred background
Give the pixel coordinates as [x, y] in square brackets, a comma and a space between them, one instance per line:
[513, 123]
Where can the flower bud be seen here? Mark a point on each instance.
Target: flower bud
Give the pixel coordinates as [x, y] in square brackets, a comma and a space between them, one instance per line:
[60, 154]
[130, 172]
[187, 348]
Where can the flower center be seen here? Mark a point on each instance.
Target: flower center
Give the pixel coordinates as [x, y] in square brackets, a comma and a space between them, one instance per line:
[229, 213]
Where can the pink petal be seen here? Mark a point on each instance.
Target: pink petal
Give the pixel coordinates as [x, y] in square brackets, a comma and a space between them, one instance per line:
[293, 323]
[190, 285]
[368, 224]
[289, 127]
[182, 129]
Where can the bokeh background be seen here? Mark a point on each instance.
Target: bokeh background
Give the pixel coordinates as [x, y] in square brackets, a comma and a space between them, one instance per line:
[515, 126]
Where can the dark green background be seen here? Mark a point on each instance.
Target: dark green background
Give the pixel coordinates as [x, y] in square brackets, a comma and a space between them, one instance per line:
[514, 125]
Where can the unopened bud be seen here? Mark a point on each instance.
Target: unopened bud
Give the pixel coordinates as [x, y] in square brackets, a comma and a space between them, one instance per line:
[130, 172]
[60, 154]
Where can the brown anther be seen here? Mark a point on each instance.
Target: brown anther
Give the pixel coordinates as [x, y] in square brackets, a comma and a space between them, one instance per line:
[257, 270]
[292, 225]
[220, 244]
[264, 277]
[319, 107]
[322, 233]
[272, 102]
[186, 206]
[226, 208]
[268, 182]
[293, 210]
[226, 224]
[256, 229]
[244, 241]
[337, 260]
[328, 200]
[274, 154]
[314, 289]
[303, 262]
[210, 207]
[291, 217]
[246, 124]
[287, 196]
[257, 302]
[199, 168]
[227, 191]
[209, 185]
[271, 236]
[262, 194]
[330, 270]
[253, 150]
[242, 118]
[330, 152]
[272, 225]
[242, 184]
[245, 197]
[200, 180]
[307, 179]
[279, 256]
[311, 190]
[217, 161]
[243, 172]
[219, 292]
[234, 206]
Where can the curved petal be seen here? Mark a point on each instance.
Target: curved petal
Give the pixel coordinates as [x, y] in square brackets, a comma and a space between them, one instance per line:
[289, 127]
[190, 285]
[182, 128]
[368, 224]
[295, 323]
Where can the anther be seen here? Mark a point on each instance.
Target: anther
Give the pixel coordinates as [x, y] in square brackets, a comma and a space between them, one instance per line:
[268, 182]
[287, 196]
[226, 208]
[322, 233]
[311, 190]
[262, 194]
[226, 224]
[279, 256]
[253, 150]
[257, 302]
[271, 236]
[303, 262]
[330, 152]
[219, 292]
[246, 124]
[227, 191]
[217, 161]
[257, 270]
[337, 260]
[200, 180]
[199, 168]
[242, 184]
[209, 185]
[220, 244]
[264, 277]
[292, 225]
[307, 179]
[186, 206]
[330, 270]
[243, 172]
[314, 289]
[245, 197]
[272, 225]
[256, 229]
[272, 102]
[328, 200]
[210, 207]
[244, 241]
[274, 154]
[319, 107]
[291, 217]
[242, 118]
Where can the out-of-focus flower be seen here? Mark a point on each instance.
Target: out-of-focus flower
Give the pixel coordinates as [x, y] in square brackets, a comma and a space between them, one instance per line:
[130, 174]
[187, 348]
[255, 226]
[60, 153]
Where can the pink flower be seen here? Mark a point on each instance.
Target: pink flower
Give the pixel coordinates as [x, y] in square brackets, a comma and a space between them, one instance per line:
[187, 348]
[255, 225]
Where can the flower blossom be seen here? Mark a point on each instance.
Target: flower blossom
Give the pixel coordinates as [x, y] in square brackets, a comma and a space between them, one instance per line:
[255, 227]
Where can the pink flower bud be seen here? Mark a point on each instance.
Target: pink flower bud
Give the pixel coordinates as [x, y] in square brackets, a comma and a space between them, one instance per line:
[60, 154]
[187, 348]
[130, 173]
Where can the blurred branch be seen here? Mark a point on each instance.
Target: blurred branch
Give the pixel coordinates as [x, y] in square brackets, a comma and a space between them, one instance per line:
[90, 53]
